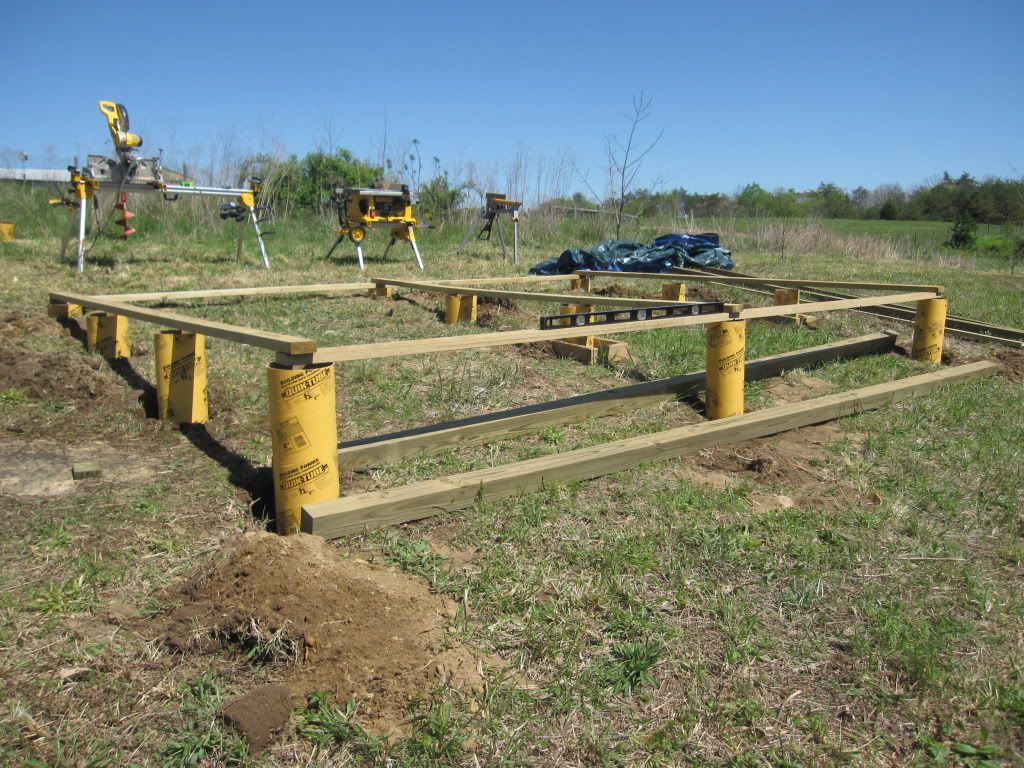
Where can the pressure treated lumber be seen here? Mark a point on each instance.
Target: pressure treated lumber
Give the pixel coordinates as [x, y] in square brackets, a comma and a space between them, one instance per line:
[792, 283]
[312, 290]
[381, 449]
[277, 342]
[555, 298]
[352, 514]
[503, 338]
[218, 293]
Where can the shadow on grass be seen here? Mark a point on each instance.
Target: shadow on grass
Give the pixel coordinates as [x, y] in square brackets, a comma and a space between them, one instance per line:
[256, 481]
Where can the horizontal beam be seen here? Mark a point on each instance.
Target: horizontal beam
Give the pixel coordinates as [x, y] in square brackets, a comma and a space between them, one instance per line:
[354, 514]
[374, 451]
[792, 283]
[277, 342]
[217, 293]
[319, 288]
[554, 298]
[504, 338]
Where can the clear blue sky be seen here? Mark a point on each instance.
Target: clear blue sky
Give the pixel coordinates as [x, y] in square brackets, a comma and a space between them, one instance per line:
[783, 93]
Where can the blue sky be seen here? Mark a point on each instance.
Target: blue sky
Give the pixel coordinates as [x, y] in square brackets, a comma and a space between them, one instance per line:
[785, 94]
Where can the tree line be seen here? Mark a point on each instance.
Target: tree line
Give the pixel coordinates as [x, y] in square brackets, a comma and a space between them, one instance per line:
[992, 200]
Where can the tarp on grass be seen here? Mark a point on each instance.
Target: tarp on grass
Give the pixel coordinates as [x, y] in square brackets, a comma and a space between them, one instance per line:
[664, 253]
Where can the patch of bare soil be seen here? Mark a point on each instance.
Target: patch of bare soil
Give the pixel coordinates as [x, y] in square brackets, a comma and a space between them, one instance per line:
[346, 626]
[53, 376]
[1012, 362]
[794, 462]
[43, 467]
[494, 311]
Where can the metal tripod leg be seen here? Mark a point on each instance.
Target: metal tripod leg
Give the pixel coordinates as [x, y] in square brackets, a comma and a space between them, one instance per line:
[359, 253]
[415, 250]
[83, 206]
[336, 244]
[388, 249]
[469, 233]
[68, 230]
[238, 240]
[501, 238]
[515, 238]
[259, 238]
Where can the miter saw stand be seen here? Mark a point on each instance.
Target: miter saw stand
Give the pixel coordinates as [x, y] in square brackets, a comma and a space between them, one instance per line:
[130, 173]
[495, 205]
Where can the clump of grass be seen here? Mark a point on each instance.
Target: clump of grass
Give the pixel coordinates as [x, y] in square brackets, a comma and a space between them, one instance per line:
[262, 645]
[630, 667]
[202, 739]
[330, 728]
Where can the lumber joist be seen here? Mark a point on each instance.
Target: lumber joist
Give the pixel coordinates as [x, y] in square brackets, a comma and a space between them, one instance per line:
[353, 514]
[554, 298]
[381, 449]
[277, 342]
[219, 293]
[503, 338]
[310, 290]
[692, 276]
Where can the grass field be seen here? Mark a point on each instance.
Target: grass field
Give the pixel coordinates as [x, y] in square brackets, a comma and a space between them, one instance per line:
[846, 594]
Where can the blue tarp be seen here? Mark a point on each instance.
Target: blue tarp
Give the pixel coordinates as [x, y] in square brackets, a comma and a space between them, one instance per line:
[664, 253]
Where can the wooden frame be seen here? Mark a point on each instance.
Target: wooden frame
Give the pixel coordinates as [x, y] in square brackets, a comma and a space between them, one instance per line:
[381, 449]
[355, 514]
[684, 275]
[352, 513]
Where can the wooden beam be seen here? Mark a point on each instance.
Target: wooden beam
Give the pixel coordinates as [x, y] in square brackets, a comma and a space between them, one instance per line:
[353, 514]
[381, 449]
[277, 342]
[555, 298]
[791, 283]
[503, 338]
[217, 293]
[314, 289]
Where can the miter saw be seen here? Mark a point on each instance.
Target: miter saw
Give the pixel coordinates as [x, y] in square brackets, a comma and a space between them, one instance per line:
[129, 172]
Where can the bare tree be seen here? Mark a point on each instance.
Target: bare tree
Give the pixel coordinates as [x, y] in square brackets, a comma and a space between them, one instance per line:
[626, 159]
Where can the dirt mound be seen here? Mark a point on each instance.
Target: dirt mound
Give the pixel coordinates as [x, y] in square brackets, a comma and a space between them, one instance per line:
[1012, 361]
[325, 623]
[55, 376]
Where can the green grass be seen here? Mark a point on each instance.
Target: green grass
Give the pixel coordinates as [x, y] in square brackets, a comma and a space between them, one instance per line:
[644, 618]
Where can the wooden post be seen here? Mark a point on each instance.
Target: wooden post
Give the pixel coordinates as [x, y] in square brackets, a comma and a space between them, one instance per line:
[382, 291]
[726, 353]
[785, 297]
[929, 330]
[181, 377]
[112, 336]
[584, 284]
[304, 433]
[467, 310]
[673, 291]
[63, 310]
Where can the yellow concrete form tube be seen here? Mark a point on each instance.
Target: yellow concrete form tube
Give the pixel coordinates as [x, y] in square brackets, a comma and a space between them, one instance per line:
[92, 330]
[929, 330]
[181, 396]
[304, 434]
[673, 291]
[63, 311]
[726, 362]
[112, 336]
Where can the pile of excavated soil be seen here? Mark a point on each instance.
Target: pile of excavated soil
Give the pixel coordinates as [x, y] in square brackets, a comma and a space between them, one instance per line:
[347, 626]
[53, 376]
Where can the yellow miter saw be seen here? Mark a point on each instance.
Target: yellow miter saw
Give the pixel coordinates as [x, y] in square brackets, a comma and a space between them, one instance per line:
[129, 172]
